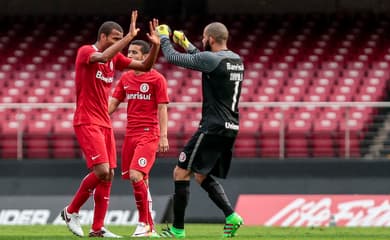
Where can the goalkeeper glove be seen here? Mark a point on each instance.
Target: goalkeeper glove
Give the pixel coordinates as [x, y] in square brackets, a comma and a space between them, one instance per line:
[181, 39]
[163, 30]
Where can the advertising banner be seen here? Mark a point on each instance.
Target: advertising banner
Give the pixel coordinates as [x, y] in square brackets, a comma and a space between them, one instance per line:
[315, 210]
[28, 210]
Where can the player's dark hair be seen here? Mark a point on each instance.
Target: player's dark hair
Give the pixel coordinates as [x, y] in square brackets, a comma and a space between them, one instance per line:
[107, 28]
[145, 47]
[218, 31]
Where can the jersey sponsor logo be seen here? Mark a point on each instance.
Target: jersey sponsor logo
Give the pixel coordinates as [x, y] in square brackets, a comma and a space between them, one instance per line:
[236, 71]
[235, 76]
[144, 87]
[99, 75]
[142, 162]
[139, 96]
[182, 157]
[235, 67]
[229, 125]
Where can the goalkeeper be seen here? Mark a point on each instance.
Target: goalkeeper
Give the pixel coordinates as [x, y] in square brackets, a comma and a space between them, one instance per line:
[208, 153]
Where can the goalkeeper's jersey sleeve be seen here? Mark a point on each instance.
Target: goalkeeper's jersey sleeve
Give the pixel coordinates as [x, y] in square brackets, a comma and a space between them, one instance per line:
[222, 75]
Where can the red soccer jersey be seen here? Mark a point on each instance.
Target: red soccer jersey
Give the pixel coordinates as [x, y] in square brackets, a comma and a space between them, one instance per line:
[143, 92]
[93, 84]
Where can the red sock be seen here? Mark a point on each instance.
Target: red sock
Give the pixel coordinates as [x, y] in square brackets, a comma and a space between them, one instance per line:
[87, 185]
[102, 199]
[141, 200]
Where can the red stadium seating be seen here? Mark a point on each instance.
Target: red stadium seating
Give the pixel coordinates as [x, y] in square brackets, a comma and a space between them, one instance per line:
[288, 61]
[36, 139]
[64, 140]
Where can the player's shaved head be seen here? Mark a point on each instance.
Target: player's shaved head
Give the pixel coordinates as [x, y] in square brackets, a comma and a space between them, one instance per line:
[218, 31]
[107, 28]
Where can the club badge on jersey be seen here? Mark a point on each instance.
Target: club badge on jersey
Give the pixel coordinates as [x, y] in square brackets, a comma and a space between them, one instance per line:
[142, 162]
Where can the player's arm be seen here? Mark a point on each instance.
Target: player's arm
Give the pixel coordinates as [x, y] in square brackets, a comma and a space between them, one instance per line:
[113, 105]
[117, 97]
[201, 61]
[163, 122]
[148, 63]
[180, 39]
[111, 51]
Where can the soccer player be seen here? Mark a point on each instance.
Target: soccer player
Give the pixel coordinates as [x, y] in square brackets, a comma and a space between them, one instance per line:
[146, 131]
[95, 69]
[208, 153]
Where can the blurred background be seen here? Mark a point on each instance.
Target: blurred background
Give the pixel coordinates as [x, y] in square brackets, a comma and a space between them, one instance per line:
[314, 105]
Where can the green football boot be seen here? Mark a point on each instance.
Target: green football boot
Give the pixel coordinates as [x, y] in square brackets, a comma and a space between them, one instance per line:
[233, 223]
[172, 232]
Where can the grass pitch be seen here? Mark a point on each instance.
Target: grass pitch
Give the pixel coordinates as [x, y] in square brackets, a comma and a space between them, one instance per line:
[207, 231]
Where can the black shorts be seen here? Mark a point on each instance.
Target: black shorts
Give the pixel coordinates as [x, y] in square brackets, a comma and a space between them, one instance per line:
[207, 154]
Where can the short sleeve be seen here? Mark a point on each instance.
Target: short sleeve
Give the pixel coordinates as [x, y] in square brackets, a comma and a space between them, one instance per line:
[119, 92]
[122, 62]
[162, 94]
[84, 54]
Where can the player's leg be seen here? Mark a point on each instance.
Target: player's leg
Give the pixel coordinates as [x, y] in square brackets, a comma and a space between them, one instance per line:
[141, 163]
[180, 199]
[181, 176]
[84, 134]
[216, 152]
[211, 151]
[180, 202]
[140, 190]
[217, 194]
[102, 193]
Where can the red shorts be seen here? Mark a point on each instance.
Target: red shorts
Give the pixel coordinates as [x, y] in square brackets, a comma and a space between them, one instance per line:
[97, 144]
[139, 153]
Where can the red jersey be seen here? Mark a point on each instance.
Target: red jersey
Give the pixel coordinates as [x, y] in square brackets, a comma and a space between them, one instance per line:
[143, 92]
[93, 84]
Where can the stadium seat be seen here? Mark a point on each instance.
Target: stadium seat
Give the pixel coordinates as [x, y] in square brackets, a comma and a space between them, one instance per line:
[325, 132]
[351, 134]
[36, 140]
[270, 142]
[64, 140]
[246, 143]
[11, 144]
[298, 136]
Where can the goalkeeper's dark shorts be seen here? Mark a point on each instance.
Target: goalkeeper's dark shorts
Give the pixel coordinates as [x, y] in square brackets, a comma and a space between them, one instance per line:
[207, 154]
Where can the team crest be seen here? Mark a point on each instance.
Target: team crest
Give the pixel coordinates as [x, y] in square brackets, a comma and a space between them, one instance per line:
[144, 87]
[182, 157]
[142, 162]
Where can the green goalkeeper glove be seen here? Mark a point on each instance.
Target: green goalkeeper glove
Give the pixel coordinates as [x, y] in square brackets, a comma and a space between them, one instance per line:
[163, 30]
[181, 39]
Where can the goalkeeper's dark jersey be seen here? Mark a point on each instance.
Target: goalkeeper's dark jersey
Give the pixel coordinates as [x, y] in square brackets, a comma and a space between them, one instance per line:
[222, 75]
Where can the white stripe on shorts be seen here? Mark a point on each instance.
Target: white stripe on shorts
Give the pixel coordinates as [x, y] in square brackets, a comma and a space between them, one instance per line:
[194, 151]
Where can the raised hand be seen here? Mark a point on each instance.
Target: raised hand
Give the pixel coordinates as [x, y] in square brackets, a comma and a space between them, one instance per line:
[152, 35]
[181, 39]
[163, 30]
[133, 31]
